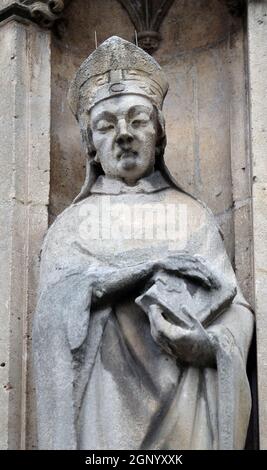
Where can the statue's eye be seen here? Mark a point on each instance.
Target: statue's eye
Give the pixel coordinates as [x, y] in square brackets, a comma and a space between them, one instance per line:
[104, 126]
[141, 122]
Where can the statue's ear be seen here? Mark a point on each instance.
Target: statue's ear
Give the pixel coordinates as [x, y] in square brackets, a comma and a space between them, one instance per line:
[160, 124]
[87, 141]
[161, 135]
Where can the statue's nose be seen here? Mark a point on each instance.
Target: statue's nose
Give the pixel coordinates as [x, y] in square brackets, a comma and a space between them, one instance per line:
[124, 137]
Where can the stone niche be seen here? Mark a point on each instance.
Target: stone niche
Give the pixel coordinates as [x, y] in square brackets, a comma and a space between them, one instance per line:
[203, 54]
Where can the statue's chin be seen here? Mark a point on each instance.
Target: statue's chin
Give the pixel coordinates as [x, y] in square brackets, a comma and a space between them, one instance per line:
[128, 163]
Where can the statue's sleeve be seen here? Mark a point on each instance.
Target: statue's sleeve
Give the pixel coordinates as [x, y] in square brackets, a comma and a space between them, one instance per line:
[231, 333]
[60, 327]
[238, 318]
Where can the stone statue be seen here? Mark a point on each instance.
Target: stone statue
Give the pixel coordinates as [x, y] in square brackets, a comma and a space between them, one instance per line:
[141, 333]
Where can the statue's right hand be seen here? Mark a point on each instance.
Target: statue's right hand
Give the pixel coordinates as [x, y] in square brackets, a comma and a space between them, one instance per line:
[192, 345]
[190, 266]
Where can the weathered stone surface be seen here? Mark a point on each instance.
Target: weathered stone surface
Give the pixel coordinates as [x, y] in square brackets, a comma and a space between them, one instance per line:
[44, 12]
[240, 163]
[127, 325]
[188, 38]
[24, 190]
[5, 3]
[257, 61]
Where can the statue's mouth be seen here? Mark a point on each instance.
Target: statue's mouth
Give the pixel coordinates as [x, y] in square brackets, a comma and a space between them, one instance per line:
[127, 154]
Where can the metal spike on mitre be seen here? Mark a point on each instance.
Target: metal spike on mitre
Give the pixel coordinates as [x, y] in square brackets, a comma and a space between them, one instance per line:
[95, 40]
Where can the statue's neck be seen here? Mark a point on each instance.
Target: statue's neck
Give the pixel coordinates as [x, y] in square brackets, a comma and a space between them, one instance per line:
[132, 181]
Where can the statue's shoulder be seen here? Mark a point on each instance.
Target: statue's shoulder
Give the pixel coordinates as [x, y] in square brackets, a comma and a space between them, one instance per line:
[198, 213]
[64, 226]
[177, 196]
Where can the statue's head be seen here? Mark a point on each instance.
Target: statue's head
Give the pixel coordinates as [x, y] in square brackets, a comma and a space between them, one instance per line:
[117, 97]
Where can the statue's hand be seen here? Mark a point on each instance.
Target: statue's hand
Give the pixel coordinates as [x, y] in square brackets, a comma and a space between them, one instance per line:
[191, 346]
[189, 266]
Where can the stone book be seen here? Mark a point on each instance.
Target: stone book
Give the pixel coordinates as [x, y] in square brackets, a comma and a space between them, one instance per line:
[181, 299]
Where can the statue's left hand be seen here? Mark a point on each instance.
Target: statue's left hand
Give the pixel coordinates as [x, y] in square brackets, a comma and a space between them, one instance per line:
[192, 346]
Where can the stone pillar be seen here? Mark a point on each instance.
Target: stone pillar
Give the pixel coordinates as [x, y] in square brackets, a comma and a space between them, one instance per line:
[257, 65]
[24, 192]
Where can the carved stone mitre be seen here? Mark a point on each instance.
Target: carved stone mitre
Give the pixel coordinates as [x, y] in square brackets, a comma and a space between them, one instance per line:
[116, 67]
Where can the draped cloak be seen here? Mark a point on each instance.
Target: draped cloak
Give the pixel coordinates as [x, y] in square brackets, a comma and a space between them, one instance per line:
[102, 381]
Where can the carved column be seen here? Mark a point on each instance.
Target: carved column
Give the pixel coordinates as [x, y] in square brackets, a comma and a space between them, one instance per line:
[257, 62]
[24, 191]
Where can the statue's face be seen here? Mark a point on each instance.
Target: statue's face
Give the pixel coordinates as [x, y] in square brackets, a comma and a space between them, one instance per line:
[124, 136]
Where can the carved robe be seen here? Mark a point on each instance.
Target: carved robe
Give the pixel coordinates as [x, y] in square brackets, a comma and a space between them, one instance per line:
[102, 380]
